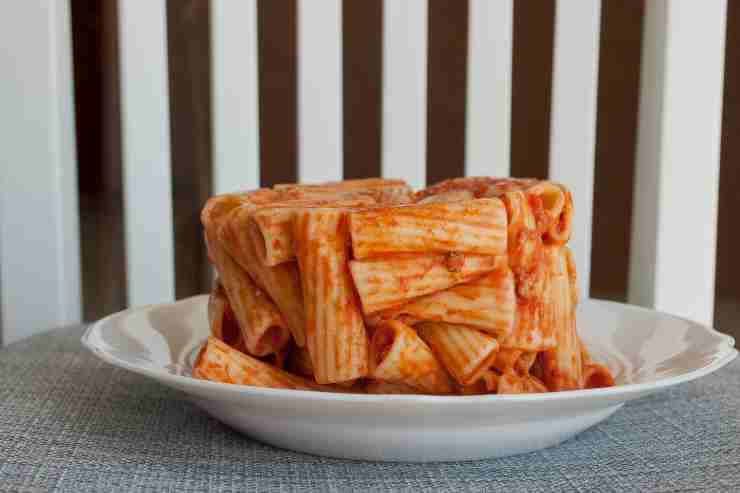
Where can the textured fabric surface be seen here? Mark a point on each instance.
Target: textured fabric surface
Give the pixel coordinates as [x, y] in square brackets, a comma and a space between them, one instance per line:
[69, 422]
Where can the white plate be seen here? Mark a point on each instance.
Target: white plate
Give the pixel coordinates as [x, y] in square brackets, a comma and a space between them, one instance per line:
[646, 350]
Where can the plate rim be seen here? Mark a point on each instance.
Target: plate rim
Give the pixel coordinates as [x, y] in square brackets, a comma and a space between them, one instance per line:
[726, 349]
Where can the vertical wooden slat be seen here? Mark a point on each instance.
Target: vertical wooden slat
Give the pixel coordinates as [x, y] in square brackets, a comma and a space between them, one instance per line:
[100, 181]
[188, 41]
[676, 180]
[39, 223]
[447, 55]
[362, 32]
[727, 290]
[276, 21]
[320, 151]
[404, 90]
[616, 134]
[146, 151]
[573, 125]
[532, 62]
[488, 132]
[235, 95]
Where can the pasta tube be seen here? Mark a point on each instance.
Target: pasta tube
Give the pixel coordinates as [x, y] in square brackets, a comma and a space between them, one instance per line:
[557, 205]
[513, 383]
[398, 355]
[488, 304]
[449, 196]
[335, 330]
[221, 319]
[487, 383]
[596, 376]
[392, 280]
[263, 328]
[219, 362]
[476, 226]
[239, 236]
[524, 364]
[533, 330]
[275, 223]
[478, 186]
[465, 352]
[525, 248]
[562, 365]
[382, 387]
[382, 190]
[506, 358]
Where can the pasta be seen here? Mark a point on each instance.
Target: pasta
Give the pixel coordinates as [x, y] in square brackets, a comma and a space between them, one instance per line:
[506, 359]
[335, 330]
[383, 190]
[562, 364]
[280, 282]
[513, 383]
[504, 383]
[594, 375]
[219, 361]
[465, 352]
[221, 320]
[488, 303]
[466, 287]
[383, 387]
[398, 355]
[487, 383]
[475, 226]
[275, 223]
[263, 328]
[390, 281]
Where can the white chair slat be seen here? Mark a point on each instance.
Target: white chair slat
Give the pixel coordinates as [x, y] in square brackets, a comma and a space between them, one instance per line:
[404, 100]
[488, 112]
[146, 151]
[235, 95]
[39, 218]
[320, 149]
[573, 118]
[674, 216]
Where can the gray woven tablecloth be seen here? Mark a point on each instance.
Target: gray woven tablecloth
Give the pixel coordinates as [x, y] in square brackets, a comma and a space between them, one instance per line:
[69, 422]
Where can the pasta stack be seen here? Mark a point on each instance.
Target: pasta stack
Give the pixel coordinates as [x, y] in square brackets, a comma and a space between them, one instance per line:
[465, 287]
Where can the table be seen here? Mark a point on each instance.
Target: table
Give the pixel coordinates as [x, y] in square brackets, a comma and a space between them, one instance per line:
[69, 422]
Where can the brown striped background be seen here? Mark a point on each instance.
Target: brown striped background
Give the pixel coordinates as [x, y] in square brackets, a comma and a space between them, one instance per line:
[188, 32]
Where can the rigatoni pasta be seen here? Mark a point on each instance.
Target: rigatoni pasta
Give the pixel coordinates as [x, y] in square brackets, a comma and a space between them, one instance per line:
[239, 237]
[475, 226]
[219, 361]
[466, 287]
[335, 330]
[221, 322]
[398, 355]
[263, 328]
[390, 281]
[466, 353]
[487, 303]
[275, 224]
[514, 383]
[562, 364]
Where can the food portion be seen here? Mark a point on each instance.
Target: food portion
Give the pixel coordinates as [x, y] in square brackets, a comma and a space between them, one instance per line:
[466, 287]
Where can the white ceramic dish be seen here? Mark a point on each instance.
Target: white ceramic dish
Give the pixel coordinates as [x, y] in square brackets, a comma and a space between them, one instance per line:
[646, 350]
